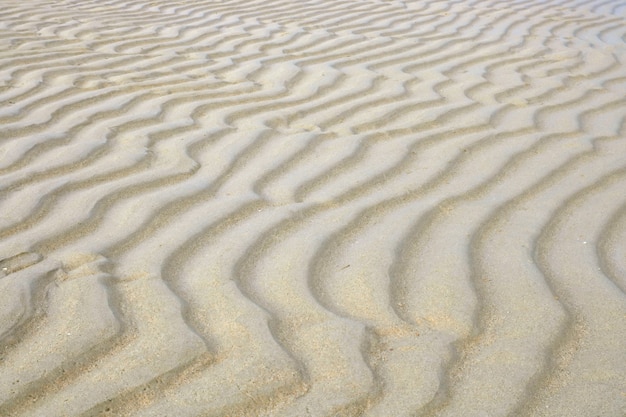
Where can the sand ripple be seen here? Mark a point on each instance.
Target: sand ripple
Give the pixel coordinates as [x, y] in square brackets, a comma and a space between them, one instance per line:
[313, 208]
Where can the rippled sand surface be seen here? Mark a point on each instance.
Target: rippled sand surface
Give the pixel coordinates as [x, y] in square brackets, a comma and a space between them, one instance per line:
[312, 208]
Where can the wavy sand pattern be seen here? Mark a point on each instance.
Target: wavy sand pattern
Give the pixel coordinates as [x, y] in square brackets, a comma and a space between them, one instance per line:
[313, 208]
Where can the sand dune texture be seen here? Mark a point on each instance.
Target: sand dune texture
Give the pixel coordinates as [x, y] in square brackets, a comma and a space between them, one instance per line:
[313, 208]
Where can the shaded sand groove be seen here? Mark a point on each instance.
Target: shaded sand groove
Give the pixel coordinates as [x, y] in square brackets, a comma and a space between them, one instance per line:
[313, 208]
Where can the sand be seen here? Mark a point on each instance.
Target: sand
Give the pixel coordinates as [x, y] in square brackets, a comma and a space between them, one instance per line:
[312, 208]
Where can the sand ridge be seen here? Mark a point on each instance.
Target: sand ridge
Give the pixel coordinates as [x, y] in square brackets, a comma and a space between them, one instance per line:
[313, 208]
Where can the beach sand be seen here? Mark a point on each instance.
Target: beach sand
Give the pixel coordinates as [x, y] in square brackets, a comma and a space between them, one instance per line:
[373, 208]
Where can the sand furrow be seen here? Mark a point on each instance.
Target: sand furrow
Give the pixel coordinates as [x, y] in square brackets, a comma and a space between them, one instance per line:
[611, 249]
[312, 208]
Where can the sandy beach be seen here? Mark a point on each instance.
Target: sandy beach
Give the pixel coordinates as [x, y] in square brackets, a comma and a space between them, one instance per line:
[312, 208]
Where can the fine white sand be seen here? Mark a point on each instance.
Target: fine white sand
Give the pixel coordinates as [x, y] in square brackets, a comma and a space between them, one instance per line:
[291, 208]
